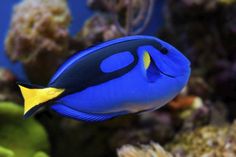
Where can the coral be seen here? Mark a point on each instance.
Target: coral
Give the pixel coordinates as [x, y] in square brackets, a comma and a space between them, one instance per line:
[116, 19]
[152, 150]
[20, 138]
[39, 35]
[37, 26]
[210, 141]
[130, 17]
[97, 28]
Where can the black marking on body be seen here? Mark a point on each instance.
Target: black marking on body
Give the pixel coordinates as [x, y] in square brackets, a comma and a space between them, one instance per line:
[86, 71]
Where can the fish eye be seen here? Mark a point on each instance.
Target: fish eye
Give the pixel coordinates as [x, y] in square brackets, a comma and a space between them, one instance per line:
[164, 50]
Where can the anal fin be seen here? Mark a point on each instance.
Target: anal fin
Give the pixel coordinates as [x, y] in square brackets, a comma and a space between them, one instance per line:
[77, 115]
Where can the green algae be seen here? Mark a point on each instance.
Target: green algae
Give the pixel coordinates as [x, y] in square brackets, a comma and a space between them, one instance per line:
[4, 152]
[20, 138]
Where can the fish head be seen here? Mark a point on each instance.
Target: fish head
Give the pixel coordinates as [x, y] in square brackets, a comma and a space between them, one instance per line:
[165, 68]
[165, 58]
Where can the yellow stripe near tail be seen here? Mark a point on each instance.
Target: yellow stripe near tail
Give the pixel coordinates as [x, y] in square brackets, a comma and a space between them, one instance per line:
[146, 59]
[35, 97]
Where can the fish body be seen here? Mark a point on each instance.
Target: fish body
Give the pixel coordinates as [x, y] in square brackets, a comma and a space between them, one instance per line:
[126, 75]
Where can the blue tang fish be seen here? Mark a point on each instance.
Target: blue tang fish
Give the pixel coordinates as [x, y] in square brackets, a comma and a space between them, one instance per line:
[122, 76]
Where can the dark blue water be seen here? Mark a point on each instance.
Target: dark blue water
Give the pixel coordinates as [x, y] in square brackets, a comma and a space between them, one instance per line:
[5, 16]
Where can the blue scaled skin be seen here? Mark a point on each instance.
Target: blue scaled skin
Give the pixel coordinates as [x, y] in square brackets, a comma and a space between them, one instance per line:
[126, 75]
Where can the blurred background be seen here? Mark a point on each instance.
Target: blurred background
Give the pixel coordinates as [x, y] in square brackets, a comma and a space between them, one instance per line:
[41, 34]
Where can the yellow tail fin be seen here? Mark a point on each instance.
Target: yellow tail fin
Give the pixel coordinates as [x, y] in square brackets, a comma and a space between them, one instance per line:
[35, 97]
